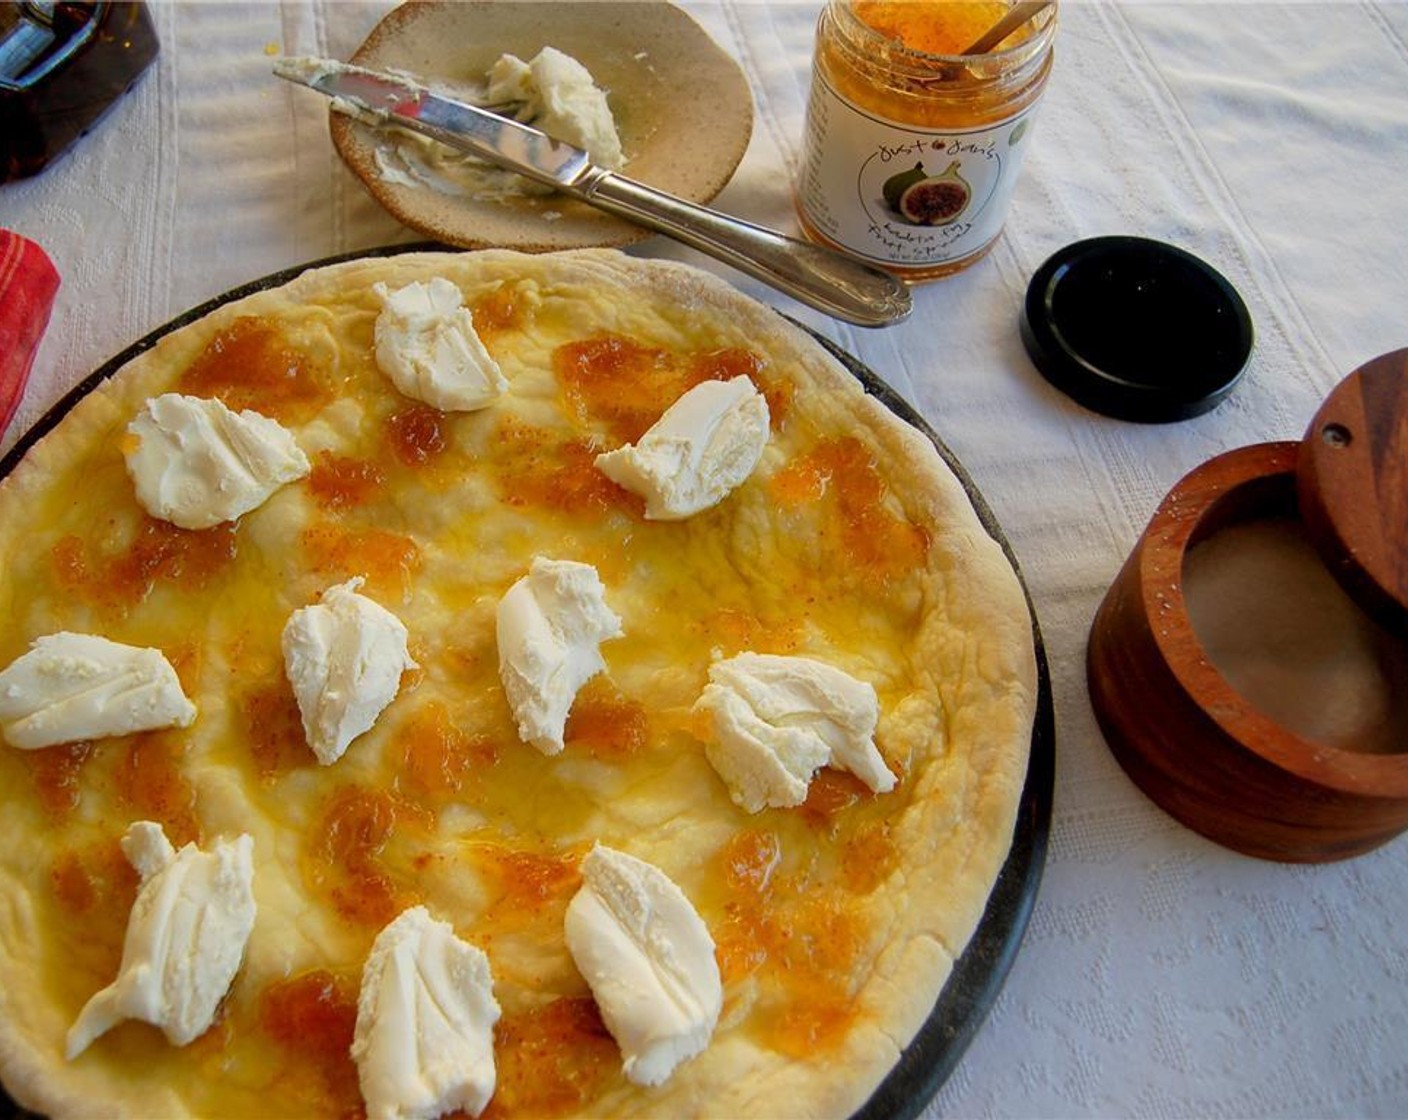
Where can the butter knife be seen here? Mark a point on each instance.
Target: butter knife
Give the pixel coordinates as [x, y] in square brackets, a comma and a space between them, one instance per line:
[823, 278]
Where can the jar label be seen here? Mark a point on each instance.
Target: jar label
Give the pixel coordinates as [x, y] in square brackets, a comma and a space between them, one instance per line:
[902, 195]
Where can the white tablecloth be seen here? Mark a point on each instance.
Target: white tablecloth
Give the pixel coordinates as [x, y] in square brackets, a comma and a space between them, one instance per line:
[1161, 975]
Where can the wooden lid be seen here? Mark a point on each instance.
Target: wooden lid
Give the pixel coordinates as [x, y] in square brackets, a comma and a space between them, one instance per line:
[1352, 487]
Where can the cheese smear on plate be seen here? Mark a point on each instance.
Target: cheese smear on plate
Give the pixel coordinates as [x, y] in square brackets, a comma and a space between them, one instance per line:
[81, 686]
[344, 657]
[186, 937]
[778, 719]
[558, 96]
[702, 447]
[424, 1041]
[196, 463]
[553, 92]
[550, 627]
[427, 345]
[649, 960]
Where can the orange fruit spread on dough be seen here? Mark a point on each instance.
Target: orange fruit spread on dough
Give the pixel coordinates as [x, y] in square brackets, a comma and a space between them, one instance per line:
[441, 803]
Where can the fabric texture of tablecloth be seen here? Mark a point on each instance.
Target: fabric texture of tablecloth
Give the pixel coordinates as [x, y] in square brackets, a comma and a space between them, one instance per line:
[1161, 975]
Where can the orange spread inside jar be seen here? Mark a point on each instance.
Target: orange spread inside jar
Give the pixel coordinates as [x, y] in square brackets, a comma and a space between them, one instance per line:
[912, 149]
[932, 26]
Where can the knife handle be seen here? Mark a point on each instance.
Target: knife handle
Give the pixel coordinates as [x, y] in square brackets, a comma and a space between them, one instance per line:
[819, 277]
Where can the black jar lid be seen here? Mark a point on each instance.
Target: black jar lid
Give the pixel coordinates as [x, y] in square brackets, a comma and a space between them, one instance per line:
[1136, 329]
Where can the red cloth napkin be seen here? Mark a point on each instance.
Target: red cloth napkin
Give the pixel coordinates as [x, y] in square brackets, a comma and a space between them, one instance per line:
[28, 281]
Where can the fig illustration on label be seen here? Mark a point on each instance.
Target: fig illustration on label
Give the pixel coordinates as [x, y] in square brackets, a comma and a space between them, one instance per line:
[922, 199]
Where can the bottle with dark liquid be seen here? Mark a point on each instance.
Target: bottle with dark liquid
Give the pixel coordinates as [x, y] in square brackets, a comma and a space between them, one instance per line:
[62, 66]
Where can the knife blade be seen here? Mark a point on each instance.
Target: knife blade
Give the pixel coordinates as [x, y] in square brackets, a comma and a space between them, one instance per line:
[820, 277]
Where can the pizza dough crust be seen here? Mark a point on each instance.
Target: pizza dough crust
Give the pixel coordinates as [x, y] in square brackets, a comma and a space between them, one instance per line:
[944, 634]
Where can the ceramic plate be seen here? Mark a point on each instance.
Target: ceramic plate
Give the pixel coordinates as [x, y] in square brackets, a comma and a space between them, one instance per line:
[682, 107]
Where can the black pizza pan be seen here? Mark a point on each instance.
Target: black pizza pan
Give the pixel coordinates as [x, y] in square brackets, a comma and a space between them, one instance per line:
[982, 968]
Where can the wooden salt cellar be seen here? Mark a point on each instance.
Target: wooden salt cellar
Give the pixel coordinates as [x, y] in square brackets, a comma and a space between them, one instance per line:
[1185, 736]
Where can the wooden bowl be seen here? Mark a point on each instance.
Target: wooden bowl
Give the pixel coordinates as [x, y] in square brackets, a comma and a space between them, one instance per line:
[1185, 735]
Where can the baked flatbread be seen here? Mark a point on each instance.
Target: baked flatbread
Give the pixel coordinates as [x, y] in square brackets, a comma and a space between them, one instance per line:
[835, 922]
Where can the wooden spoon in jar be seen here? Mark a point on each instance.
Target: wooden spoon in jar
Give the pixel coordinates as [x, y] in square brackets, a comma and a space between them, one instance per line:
[1016, 15]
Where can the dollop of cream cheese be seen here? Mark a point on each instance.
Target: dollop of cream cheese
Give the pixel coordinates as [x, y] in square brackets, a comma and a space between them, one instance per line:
[424, 1041]
[186, 937]
[196, 463]
[344, 657]
[777, 720]
[81, 686]
[649, 960]
[427, 345]
[702, 447]
[557, 94]
[550, 627]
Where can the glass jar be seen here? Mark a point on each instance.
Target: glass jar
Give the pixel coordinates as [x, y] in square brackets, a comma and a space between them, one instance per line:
[63, 64]
[910, 156]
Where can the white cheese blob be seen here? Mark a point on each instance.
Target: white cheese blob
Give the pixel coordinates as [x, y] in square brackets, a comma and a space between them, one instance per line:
[196, 463]
[649, 960]
[777, 720]
[80, 686]
[701, 448]
[344, 656]
[551, 624]
[185, 940]
[427, 345]
[558, 96]
[424, 1042]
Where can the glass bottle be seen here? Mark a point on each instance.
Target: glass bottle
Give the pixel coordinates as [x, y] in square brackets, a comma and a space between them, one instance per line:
[62, 66]
[911, 154]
